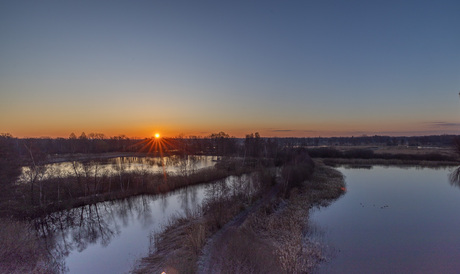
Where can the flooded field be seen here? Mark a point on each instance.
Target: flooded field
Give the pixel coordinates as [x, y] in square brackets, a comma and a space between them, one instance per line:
[111, 166]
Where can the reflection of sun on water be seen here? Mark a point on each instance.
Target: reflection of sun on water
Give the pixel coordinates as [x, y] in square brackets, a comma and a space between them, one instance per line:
[156, 146]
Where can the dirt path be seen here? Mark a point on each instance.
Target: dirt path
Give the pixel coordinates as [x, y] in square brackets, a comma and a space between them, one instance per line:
[210, 251]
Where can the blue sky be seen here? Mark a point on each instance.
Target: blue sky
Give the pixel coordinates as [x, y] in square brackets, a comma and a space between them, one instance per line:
[300, 68]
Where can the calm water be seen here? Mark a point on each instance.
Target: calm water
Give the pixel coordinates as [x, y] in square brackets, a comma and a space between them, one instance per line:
[110, 166]
[393, 220]
[109, 237]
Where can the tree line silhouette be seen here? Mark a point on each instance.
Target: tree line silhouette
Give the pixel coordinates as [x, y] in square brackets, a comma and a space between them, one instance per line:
[29, 183]
[28, 157]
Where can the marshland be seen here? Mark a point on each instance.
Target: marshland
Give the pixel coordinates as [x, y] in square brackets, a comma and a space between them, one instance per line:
[227, 205]
[229, 136]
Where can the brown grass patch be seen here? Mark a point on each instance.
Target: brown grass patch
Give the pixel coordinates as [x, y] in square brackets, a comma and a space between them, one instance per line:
[277, 238]
[21, 250]
[274, 239]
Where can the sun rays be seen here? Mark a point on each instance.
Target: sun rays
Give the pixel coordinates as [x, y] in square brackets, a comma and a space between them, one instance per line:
[157, 146]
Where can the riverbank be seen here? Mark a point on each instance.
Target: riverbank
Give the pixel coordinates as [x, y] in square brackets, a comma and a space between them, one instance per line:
[363, 163]
[76, 191]
[178, 246]
[265, 237]
[420, 156]
[17, 248]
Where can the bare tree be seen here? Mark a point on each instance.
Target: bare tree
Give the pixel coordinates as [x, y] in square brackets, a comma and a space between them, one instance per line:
[35, 172]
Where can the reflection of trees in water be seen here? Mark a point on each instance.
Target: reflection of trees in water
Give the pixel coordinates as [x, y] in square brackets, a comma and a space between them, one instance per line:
[244, 185]
[113, 166]
[91, 228]
[369, 167]
[454, 177]
[98, 224]
[77, 228]
[143, 210]
[164, 203]
[188, 199]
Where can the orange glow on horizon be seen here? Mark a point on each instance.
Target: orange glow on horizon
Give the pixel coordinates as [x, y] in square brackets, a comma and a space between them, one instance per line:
[171, 130]
[157, 147]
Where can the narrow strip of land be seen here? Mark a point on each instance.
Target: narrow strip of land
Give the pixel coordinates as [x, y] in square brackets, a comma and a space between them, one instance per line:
[211, 249]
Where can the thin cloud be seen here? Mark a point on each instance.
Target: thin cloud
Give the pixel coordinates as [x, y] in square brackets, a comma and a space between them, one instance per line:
[291, 130]
[444, 124]
[282, 130]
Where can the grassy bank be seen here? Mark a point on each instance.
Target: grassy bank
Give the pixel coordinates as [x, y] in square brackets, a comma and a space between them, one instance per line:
[178, 246]
[424, 157]
[275, 238]
[270, 239]
[385, 162]
[24, 252]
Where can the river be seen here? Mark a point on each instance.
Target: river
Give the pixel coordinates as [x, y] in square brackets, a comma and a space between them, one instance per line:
[393, 220]
[109, 237]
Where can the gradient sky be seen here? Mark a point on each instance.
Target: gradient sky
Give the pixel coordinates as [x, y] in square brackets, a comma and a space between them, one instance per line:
[282, 68]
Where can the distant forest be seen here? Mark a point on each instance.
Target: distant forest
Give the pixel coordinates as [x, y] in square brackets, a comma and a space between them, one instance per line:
[85, 152]
[215, 144]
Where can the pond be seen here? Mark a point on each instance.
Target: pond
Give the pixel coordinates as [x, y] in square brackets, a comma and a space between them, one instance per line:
[109, 237]
[393, 220]
[116, 165]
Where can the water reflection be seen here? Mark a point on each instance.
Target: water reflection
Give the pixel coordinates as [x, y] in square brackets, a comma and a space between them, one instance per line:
[117, 232]
[188, 199]
[97, 224]
[357, 166]
[394, 220]
[183, 165]
[454, 177]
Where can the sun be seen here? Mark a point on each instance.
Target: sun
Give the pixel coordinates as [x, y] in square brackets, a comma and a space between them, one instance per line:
[157, 135]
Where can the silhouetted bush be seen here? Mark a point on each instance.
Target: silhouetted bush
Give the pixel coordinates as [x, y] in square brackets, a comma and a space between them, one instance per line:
[297, 168]
[359, 153]
[325, 152]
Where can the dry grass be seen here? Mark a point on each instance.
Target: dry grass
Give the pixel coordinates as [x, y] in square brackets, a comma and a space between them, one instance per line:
[21, 250]
[178, 246]
[412, 150]
[277, 239]
[283, 232]
[274, 239]
[326, 186]
[240, 250]
[386, 162]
